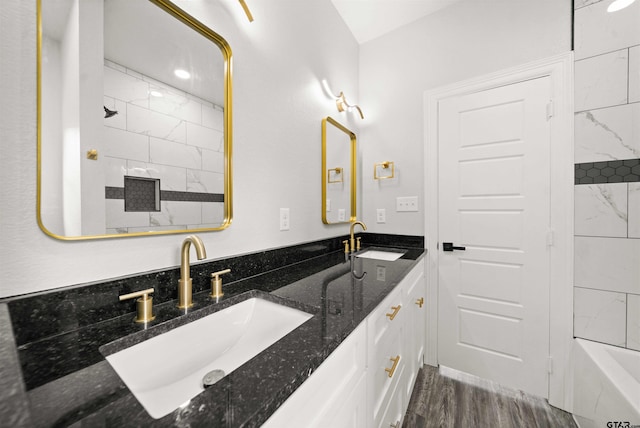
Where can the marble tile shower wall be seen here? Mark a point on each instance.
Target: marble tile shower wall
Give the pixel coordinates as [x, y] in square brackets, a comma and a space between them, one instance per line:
[162, 133]
[607, 157]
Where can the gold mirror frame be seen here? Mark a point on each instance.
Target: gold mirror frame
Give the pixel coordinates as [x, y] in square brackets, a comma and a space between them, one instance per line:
[328, 173]
[225, 50]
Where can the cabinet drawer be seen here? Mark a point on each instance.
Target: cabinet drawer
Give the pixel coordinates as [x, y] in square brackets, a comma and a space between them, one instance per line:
[386, 319]
[395, 405]
[387, 363]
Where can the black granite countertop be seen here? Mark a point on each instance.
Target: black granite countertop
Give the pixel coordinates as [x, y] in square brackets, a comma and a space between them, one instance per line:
[324, 286]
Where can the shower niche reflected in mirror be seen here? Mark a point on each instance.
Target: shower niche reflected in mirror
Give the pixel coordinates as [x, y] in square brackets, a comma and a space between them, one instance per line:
[134, 120]
[338, 173]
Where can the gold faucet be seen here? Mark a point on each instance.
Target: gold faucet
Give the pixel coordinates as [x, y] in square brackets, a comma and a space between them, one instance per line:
[185, 297]
[353, 225]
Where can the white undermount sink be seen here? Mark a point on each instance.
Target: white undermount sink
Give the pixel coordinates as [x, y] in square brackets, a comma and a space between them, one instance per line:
[166, 371]
[381, 255]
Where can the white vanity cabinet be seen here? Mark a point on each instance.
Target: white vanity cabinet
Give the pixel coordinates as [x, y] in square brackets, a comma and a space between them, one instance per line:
[416, 290]
[387, 359]
[367, 381]
[396, 331]
[334, 395]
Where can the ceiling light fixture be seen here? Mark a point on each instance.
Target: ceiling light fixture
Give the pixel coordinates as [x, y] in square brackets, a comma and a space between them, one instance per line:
[183, 74]
[617, 5]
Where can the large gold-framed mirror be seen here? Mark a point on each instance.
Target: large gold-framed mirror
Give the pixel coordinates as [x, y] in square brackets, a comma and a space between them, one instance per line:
[127, 145]
[339, 153]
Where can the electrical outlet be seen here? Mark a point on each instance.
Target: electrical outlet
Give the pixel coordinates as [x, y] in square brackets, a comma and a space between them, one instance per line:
[407, 203]
[284, 218]
[381, 216]
[342, 214]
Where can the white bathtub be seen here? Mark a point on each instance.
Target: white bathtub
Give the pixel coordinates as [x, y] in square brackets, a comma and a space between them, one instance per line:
[606, 385]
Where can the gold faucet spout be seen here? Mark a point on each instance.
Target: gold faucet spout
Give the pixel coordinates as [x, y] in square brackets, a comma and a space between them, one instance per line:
[185, 295]
[353, 225]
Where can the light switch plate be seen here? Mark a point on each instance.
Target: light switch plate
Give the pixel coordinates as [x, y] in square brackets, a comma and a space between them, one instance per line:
[407, 203]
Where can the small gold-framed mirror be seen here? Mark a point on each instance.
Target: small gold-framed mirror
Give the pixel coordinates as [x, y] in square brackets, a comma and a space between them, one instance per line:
[339, 153]
[134, 120]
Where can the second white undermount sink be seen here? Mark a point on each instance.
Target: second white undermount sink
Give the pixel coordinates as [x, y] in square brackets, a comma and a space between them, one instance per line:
[381, 255]
[167, 370]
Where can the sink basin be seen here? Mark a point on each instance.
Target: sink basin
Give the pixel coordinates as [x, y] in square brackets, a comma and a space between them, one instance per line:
[381, 255]
[166, 371]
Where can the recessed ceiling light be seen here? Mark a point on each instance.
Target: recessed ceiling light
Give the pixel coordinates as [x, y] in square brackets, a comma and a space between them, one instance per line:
[183, 74]
[618, 5]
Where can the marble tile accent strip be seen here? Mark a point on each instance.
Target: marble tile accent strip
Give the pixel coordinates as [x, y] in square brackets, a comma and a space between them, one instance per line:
[607, 134]
[634, 74]
[170, 195]
[601, 81]
[633, 321]
[13, 399]
[634, 210]
[596, 31]
[618, 171]
[600, 316]
[577, 4]
[607, 264]
[601, 210]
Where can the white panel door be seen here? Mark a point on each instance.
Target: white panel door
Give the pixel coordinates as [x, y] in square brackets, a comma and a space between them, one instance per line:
[493, 198]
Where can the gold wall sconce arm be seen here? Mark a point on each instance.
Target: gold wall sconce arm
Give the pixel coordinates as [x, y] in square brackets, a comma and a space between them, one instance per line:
[336, 177]
[343, 105]
[386, 165]
[246, 10]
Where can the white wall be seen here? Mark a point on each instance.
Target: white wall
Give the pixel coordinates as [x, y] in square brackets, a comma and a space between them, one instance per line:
[279, 61]
[469, 39]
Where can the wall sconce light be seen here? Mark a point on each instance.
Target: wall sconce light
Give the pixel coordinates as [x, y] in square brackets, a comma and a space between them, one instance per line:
[343, 105]
[384, 166]
[246, 10]
[341, 102]
[337, 175]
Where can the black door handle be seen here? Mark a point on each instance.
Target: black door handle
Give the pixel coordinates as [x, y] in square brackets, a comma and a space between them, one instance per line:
[448, 246]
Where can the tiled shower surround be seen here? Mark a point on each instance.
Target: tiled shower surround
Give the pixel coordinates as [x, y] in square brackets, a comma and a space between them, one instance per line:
[161, 133]
[607, 157]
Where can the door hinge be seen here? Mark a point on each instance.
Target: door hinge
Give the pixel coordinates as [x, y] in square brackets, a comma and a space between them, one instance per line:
[549, 237]
[550, 365]
[550, 110]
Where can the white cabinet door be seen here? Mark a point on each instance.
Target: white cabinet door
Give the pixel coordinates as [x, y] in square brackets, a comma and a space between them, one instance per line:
[387, 357]
[329, 388]
[351, 411]
[396, 406]
[417, 323]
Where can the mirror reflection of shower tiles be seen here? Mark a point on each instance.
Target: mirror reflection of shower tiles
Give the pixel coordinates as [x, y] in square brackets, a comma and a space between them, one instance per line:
[165, 134]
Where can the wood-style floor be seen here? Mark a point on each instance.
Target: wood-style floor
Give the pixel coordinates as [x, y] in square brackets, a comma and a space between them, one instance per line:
[445, 398]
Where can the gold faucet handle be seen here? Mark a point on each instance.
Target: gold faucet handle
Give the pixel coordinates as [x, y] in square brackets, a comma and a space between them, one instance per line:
[216, 283]
[346, 246]
[358, 243]
[144, 304]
